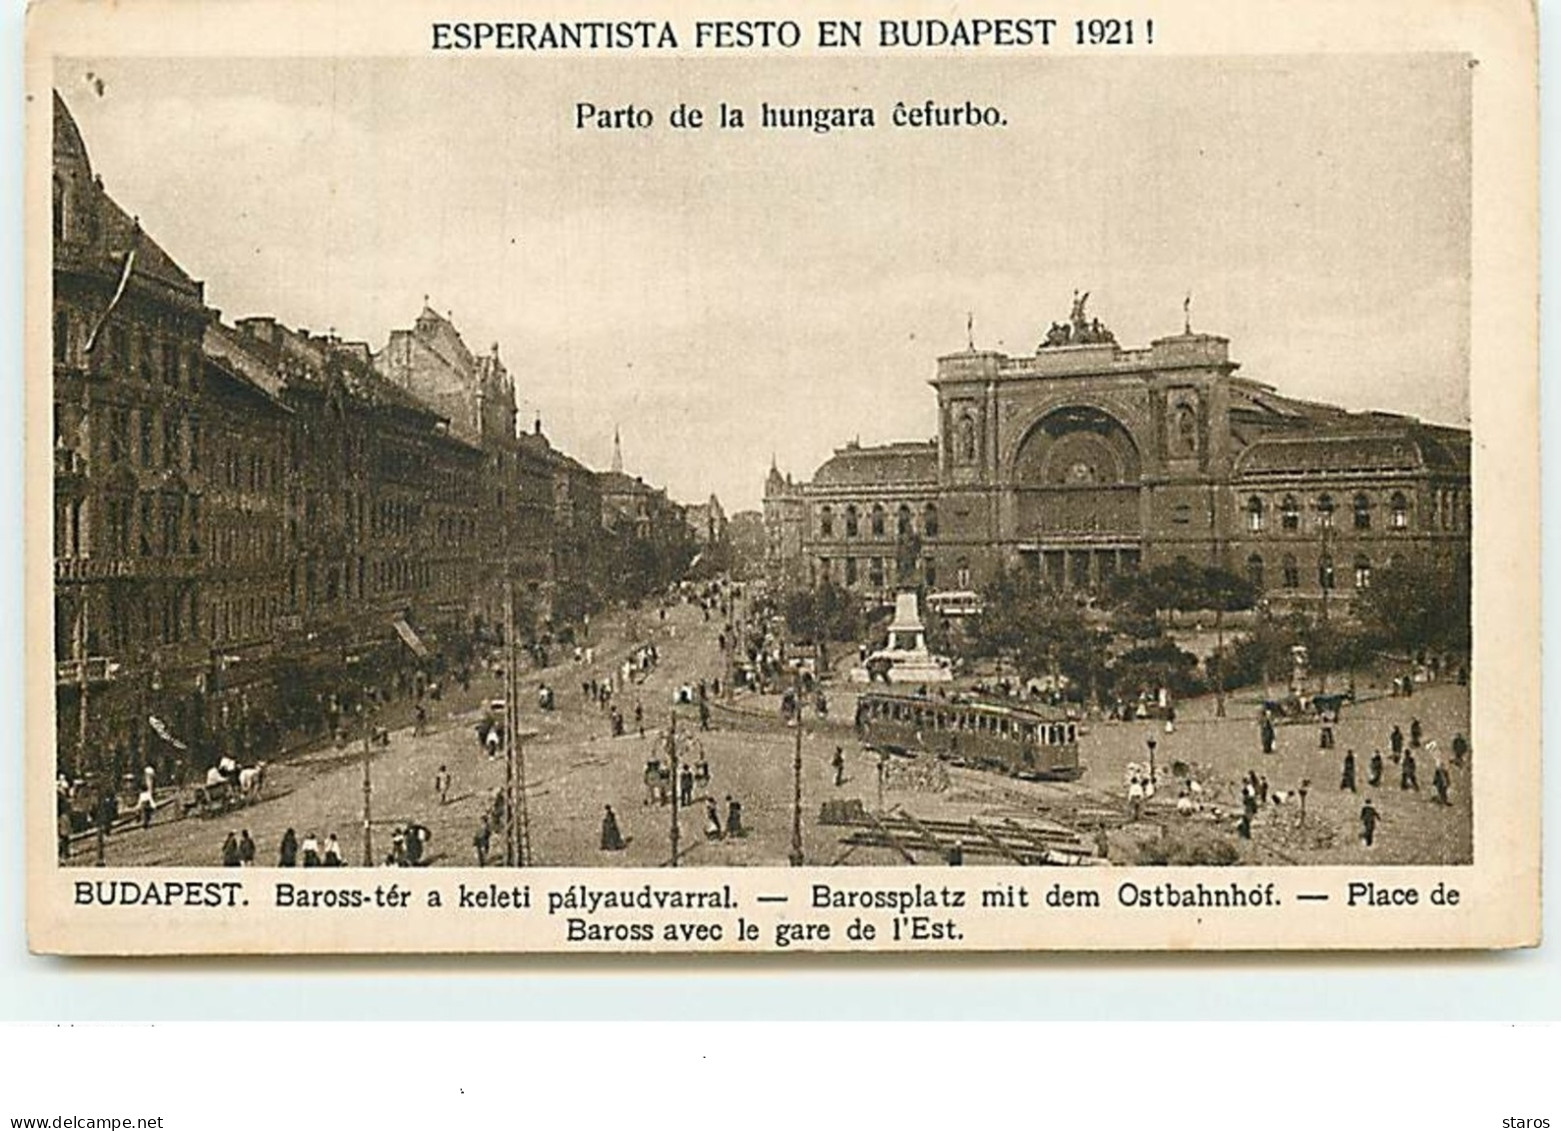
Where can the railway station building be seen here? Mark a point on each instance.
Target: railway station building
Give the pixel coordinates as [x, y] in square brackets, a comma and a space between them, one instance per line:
[1085, 459]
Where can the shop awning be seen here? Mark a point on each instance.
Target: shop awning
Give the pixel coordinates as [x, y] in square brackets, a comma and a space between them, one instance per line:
[408, 634]
[161, 728]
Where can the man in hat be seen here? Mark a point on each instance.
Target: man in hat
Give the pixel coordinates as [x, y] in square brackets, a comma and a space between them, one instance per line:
[1369, 817]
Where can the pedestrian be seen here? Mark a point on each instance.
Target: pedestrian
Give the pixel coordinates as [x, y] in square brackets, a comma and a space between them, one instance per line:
[612, 838]
[230, 850]
[246, 850]
[639, 719]
[1368, 822]
[492, 740]
[480, 841]
[149, 779]
[1415, 733]
[1244, 826]
[1407, 779]
[1396, 741]
[956, 854]
[712, 820]
[287, 851]
[417, 838]
[1347, 778]
[145, 805]
[1262, 790]
[1135, 798]
[499, 808]
[838, 762]
[332, 855]
[1460, 749]
[311, 851]
[704, 714]
[1374, 777]
[734, 817]
[686, 785]
[442, 784]
[1440, 781]
[1325, 737]
[1267, 732]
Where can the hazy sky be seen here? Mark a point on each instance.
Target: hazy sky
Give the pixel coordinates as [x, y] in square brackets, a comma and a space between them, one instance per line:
[720, 295]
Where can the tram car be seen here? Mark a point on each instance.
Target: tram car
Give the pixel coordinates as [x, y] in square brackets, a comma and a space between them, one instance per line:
[1011, 739]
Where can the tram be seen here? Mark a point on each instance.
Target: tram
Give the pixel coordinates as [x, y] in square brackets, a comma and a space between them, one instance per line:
[1014, 740]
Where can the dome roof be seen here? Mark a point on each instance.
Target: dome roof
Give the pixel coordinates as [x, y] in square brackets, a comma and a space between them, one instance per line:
[890, 464]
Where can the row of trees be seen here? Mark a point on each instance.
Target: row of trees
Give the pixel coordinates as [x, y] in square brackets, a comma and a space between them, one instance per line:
[1118, 645]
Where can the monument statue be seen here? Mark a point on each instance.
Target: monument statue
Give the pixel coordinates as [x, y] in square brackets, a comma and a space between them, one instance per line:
[1079, 329]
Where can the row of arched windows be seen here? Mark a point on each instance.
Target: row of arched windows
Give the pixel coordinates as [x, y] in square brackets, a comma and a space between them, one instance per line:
[876, 519]
[1327, 571]
[1362, 513]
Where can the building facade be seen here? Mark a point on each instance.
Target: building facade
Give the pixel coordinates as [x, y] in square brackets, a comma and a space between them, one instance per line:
[130, 646]
[254, 524]
[1086, 460]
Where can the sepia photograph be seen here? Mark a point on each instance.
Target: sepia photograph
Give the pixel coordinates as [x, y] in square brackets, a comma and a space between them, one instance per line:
[555, 459]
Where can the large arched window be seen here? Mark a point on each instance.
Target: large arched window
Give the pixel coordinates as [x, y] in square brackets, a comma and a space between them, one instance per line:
[878, 520]
[929, 520]
[1362, 571]
[1255, 514]
[826, 522]
[1325, 572]
[904, 527]
[1362, 512]
[851, 521]
[1255, 570]
[1400, 508]
[1324, 511]
[1292, 573]
[1290, 514]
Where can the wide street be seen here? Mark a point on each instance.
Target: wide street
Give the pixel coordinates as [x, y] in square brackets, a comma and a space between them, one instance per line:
[573, 768]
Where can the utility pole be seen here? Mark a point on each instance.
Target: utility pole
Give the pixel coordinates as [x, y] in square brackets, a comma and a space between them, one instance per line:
[511, 709]
[796, 775]
[368, 791]
[1325, 579]
[672, 757]
[1219, 658]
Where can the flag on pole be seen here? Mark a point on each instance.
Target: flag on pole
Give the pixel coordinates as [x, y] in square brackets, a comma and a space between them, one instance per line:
[119, 293]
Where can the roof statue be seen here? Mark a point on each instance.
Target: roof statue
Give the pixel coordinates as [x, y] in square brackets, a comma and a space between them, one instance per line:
[1079, 329]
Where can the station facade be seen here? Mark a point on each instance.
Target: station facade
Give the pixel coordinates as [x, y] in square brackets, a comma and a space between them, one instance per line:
[1086, 460]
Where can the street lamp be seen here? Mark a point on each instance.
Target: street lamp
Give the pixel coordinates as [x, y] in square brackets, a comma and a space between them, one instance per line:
[797, 858]
[1150, 742]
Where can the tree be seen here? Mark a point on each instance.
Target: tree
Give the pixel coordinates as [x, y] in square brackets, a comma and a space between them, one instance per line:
[1423, 603]
[825, 613]
[1041, 632]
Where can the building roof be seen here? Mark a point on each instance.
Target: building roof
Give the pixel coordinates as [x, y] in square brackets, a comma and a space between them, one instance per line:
[1397, 444]
[619, 483]
[856, 466]
[115, 232]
